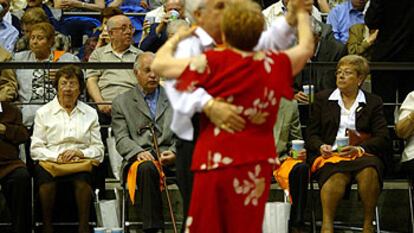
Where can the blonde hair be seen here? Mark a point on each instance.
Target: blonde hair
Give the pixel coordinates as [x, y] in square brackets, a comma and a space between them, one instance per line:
[47, 28]
[360, 64]
[34, 15]
[242, 24]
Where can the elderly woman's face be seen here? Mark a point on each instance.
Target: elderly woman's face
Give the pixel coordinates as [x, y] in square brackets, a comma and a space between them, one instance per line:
[347, 78]
[39, 41]
[68, 89]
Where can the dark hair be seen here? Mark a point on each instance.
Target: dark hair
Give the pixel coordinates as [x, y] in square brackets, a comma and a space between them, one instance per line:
[108, 12]
[70, 71]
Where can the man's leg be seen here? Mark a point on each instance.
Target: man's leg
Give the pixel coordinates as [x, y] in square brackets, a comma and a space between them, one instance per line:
[331, 193]
[148, 182]
[16, 189]
[298, 185]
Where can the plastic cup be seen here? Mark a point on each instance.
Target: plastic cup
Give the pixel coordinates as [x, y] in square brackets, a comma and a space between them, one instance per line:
[341, 142]
[309, 90]
[297, 145]
[117, 230]
[174, 15]
[99, 230]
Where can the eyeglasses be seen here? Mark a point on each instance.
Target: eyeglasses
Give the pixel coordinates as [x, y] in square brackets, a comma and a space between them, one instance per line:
[124, 28]
[345, 73]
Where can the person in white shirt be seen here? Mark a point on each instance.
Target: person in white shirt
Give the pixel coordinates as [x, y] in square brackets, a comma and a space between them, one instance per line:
[66, 130]
[207, 15]
[280, 8]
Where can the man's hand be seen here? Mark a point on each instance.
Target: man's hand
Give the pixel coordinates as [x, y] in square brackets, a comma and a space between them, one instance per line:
[144, 4]
[167, 158]
[145, 155]
[372, 36]
[326, 151]
[224, 115]
[301, 97]
[2, 128]
[105, 108]
[349, 151]
[69, 156]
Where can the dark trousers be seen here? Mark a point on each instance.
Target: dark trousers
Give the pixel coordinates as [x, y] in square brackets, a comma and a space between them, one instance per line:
[149, 195]
[298, 184]
[103, 169]
[16, 189]
[184, 175]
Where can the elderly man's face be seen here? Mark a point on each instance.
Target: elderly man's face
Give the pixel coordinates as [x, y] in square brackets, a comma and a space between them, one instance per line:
[6, 5]
[147, 79]
[209, 18]
[175, 5]
[122, 31]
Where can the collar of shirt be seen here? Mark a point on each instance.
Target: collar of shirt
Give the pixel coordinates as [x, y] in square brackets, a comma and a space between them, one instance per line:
[108, 49]
[336, 95]
[56, 107]
[205, 39]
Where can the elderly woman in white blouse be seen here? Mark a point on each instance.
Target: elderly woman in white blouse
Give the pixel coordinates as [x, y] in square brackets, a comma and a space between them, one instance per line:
[66, 130]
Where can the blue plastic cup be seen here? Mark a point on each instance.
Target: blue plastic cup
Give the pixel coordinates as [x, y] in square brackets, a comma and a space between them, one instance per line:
[99, 230]
[297, 145]
[117, 230]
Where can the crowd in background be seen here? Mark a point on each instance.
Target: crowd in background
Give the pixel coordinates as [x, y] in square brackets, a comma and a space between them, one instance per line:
[52, 123]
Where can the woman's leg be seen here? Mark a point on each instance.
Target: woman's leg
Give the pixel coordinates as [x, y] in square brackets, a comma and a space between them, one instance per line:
[369, 190]
[47, 193]
[331, 193]
[83, 194]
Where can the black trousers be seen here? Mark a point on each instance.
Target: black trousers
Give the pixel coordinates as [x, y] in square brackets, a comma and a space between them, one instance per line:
[149, 195]
[16, 189]
[298, 184]
[185, 176]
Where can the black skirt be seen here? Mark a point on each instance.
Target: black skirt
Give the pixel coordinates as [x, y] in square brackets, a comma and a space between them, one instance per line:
[352, 167]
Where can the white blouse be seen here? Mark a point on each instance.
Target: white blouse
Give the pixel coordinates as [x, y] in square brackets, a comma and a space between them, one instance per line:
[55, 131]
[347, 119]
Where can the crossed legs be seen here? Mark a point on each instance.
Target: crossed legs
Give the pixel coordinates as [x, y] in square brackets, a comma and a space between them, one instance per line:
[333, 191]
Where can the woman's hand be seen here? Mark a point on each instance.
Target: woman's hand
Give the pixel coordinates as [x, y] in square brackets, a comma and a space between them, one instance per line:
[326, 151]
[69, 156]
[349, 151]
[301, 97]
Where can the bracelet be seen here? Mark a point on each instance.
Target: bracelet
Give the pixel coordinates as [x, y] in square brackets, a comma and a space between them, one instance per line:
[208, 106]
[410, 117]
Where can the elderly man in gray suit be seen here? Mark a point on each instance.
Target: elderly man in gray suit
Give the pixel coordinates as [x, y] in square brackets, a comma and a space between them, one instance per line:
[133, 113]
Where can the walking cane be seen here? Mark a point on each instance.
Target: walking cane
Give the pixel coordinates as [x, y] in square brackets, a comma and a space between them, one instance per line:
[157, 151]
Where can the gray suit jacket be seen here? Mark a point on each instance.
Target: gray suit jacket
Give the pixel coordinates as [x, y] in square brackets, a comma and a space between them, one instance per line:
[130, 116]
[287, 127]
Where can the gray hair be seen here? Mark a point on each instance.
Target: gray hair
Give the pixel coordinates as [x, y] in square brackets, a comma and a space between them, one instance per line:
[138, 59]
[194, 5]
[112, 21]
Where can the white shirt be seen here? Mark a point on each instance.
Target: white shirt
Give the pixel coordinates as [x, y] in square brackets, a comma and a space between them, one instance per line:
[279, 36]
[406, 108]
[347, 119]
[55, 131]
[272, 12]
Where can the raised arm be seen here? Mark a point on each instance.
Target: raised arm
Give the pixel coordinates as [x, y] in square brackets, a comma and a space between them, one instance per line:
[165, 64]
[300, 54]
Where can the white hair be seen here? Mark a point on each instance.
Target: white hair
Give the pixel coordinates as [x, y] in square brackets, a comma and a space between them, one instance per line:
[194, 5]
[138, 59]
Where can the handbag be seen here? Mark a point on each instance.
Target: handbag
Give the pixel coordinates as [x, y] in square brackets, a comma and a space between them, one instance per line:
[276, 217]
[64, 169]
[356, 137]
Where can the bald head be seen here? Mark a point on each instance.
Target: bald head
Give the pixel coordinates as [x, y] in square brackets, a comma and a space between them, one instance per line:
[116, 21]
